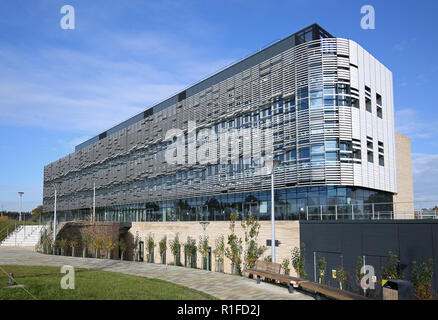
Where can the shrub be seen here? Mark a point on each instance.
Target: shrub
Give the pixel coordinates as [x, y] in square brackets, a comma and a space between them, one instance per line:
[285, 266]
[392, 269]
[422, 274]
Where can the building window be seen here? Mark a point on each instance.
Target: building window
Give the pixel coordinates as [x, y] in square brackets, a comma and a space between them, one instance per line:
[379, 112]
[355, 102]
[331, 156]
[370, 156]
[292, 155]
[357, 154]
[369, 144]
[331, 144]
[345, 146]
[368, 104]
[317, 148]
[304, 153]
[381, 160]
[378, 99]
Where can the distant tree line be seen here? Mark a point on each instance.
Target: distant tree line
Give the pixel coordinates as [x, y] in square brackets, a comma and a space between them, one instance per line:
[35, 215]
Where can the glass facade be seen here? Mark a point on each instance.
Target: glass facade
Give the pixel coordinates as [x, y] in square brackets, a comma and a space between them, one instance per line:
[295, 101]
[317, 202]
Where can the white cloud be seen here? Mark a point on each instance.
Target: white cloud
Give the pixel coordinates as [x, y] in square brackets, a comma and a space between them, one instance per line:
[425, 175]
[409, 123]
[88, 92]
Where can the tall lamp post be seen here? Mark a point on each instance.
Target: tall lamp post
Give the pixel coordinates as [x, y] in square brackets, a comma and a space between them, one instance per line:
[272, 164]
[54, 184]
[21, 196]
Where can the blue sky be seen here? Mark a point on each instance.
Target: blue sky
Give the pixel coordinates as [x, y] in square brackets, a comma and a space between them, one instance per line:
[59, 87]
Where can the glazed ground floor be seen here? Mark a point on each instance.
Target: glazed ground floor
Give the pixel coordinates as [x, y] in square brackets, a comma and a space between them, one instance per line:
[298, 203]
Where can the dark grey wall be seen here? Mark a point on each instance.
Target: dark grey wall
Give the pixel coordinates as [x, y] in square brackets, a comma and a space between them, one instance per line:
[342, 242]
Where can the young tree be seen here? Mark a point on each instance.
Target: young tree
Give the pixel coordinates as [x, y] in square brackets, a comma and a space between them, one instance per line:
[234, 251]
[110, 244]
[190, 250]
[134, 246]
[253, 251]
[203, 250]
[341, 277]
[298, 261]
[86, 242]
[73, 245]
[175, 249]
[98, 244]
[321, 265]
[163, 248]
[122, 246]
[63, 244]
[150, 245]
[219, 253]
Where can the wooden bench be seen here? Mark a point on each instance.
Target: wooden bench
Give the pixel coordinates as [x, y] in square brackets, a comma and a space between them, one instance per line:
[331, 292]
[269, 270]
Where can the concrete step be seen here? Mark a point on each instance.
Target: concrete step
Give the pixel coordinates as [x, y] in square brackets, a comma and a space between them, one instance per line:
[23, 236]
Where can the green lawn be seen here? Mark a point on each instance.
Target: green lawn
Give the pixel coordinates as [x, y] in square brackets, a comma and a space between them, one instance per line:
[44, 284]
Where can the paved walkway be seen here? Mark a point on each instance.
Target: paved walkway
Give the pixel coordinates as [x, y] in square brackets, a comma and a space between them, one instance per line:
[223, 286]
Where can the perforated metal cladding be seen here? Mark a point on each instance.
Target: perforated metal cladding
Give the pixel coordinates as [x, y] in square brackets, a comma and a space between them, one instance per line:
[128, 166]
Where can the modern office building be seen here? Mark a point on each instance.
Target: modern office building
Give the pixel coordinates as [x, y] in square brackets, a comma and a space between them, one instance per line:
[320, 104]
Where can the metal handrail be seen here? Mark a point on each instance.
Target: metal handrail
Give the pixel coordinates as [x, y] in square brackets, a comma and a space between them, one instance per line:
[7, 228]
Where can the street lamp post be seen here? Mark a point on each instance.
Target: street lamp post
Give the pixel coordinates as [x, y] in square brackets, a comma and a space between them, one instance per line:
[21, 196]
[272, 164]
